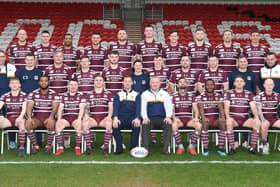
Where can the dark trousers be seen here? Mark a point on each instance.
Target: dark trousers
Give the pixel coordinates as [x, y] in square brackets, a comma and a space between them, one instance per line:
[157, 124]
[127, 124]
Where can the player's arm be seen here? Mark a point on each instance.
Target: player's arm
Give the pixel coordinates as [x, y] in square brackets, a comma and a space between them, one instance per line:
[259, 108]
[23, 110]
[1, 104]
[225, 86]
[29, 109]
[55, 106]
[196, 111]
[110, 110]
[201, 112]
[254, 109]
[221, 110]
[60, 111]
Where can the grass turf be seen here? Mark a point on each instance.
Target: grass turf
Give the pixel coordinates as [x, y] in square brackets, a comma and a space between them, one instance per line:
[140, 175]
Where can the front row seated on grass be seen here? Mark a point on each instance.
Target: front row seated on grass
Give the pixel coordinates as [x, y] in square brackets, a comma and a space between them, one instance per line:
[155, 107]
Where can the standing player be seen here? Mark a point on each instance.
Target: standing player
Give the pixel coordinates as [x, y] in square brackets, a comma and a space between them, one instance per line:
[85, 76]
[45, 51]
[114, 73]
[70, 113]
[237, 103]
[267, 103]
[184, 72]
[126, 50]
[140, 79]
[58, 73]
[71, 53]
[255, 52]
[18, 51]
[96, 53]
[216, 74]
[184, 106]
[126, 113]
[173, 52]
[199, 51]
[43, 104]
[159, 71]
[227, 53]
[15, 102]
[100, 114]
[211, 109]
[148, 48]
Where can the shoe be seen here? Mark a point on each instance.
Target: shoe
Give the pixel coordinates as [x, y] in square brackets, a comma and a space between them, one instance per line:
[221, 152]
[77, 151]
[12, 145]
[59, 152]
[21, 152]
[166, 153]
[35, 150]
[253, 151]
[153, 144]
[48, 149]
[205, 152]
[191, 150]
[105, 151]
[245, 145]
[123, 146]
[180, 151]
[232, 151]
[88, 151]
[278, 148]
[265, 149]
[66, 144]
[236, 144]
[118, 152]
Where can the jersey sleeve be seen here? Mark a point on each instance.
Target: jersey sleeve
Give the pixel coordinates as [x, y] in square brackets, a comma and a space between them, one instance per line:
[172, 78]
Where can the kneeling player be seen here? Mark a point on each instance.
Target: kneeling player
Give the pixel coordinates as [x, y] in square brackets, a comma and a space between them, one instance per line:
[100, 114]
[211, 109]
[267, 103]
[183, 106]
[43, 103]
[237, 103]
[70, 113]
[15, 102]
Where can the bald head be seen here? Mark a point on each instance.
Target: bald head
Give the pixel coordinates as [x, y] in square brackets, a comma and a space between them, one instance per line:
[155, 83]
[268, 85]
[22, 36]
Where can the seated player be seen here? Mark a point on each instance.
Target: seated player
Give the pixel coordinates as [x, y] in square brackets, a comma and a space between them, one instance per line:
[126, 112]
[183, 107]
[237, 103]
[42, 105]
[211, 109]
[70, 113]
[100, 114]
[267, 103]
[15, 102]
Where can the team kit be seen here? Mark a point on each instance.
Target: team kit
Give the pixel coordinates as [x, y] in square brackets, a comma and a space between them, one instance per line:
[140, 87]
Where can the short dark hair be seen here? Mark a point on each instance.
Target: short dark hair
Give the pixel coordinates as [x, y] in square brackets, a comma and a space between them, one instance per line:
[45, 77]
[158, 56]
[239, 76]
[113, 52]
[242, 56]
[149, 25]
[271, 53]
[227, 30]
[199, 29]
[209, 79]
[181, 79]
[84, 56]
[73, 79]
[98, 75]
[186, 56]
[172, 31]
[138, 60]
[30, 54]
[45, 32]
[126, 76]
[68, 34]
[96, 33]
[14, 79]
[255, 31]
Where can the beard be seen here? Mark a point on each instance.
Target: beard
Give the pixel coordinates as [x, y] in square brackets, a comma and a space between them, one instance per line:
[44, 88]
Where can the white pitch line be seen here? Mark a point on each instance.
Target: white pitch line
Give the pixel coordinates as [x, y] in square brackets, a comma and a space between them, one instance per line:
[253, 162]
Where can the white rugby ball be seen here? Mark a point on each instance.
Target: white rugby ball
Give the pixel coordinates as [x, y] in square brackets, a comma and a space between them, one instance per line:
[139, 152]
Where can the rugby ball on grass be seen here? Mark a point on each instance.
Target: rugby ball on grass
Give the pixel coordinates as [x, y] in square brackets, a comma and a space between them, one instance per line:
[139, 152]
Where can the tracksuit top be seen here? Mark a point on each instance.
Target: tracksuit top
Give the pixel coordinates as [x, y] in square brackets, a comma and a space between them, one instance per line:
[270, 73]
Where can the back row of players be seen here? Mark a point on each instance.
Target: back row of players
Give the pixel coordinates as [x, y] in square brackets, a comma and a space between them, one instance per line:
[59, 74]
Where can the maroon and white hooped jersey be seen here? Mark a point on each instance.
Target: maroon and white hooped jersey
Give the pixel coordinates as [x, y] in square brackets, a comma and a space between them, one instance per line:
[173, 55]
[163, 74]
[45, 56]
[42, 102]
[239, 103]
[99, 103]
[269, 104]
[183, 105]
[199, 55]
[113, 78]
[97, 57]
[72, 104]
[218, 76]
[13, 103]
[191, 76]
[255, 56]
[17, 53]
[210, 103]
[71, 56]
[85, 80]
[126, 52]
[227, 57]
[58, 77]
[148, 51]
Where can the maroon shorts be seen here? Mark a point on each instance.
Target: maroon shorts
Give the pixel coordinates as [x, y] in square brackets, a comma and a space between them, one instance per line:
[240, 121]
[185, 120]
[12, 120]
[272, 121]
[70, 119]
[212, 120]
[41, 118]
